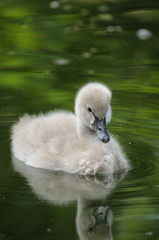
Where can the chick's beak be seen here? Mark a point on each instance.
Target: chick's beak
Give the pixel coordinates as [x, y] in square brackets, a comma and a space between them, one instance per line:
[101, 130]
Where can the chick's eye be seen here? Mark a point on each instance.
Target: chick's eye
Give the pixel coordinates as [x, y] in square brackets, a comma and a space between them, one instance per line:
[91, 229]
[89, 109]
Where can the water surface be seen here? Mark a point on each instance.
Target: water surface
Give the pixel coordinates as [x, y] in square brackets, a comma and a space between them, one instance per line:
[48, 50]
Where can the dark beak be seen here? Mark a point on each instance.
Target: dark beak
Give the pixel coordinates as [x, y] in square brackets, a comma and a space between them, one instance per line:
[101, 130]
[101, 214]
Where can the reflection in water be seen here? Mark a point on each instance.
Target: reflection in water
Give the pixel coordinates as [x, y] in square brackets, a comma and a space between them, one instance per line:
[94, 220]
[94, 217]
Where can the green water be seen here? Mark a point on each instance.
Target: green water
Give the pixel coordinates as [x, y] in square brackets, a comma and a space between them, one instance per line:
[48, 50]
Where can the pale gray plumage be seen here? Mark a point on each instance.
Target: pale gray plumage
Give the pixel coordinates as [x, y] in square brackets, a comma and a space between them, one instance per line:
[63, 141]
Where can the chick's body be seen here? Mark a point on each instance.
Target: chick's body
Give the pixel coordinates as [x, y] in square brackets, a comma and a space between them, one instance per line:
[63, 141]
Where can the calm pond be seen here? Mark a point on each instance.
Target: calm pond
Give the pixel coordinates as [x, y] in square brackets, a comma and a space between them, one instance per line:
[48, 50]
